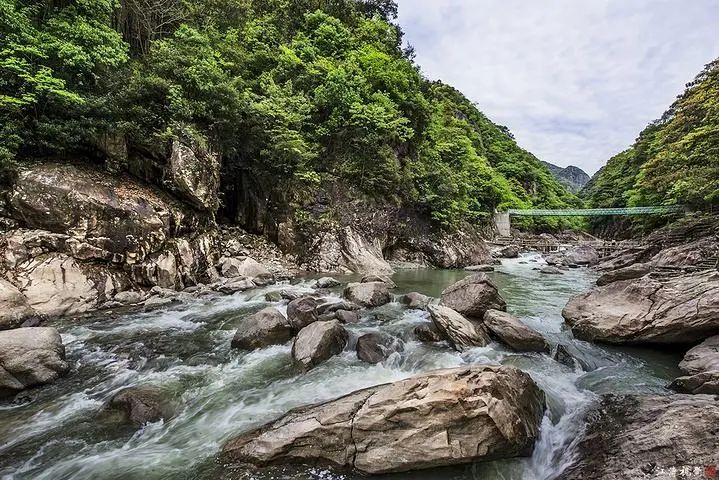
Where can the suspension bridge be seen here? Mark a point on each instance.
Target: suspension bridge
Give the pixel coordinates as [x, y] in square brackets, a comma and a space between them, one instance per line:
[502, 220]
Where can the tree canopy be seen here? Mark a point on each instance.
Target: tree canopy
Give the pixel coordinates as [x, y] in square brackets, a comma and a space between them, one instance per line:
[304, 91]
[675, 160]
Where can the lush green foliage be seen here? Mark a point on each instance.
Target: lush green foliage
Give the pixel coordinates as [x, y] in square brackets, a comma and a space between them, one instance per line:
[50, 57]
[310, 92]
[675, 160]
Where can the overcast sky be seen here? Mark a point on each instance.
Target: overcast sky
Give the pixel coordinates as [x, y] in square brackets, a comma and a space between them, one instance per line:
[574, 80]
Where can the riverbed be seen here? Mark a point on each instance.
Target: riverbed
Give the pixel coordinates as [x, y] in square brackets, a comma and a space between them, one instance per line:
[62, 431]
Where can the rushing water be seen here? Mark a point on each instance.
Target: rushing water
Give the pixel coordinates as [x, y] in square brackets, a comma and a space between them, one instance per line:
[62, 431]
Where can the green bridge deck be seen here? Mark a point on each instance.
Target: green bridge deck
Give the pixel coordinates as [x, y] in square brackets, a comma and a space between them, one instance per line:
[596, 212]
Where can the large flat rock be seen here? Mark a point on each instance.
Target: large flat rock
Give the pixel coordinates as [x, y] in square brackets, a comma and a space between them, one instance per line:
[678, 310]
[448, 417]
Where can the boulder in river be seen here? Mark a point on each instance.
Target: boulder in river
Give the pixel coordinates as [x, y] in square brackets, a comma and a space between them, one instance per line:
[234, 285]
[627, 273]
[701, 369]
[142, 404]
[273, 297]
[581, 255]
[428, 333]
[447, 417]
[318, 342]
[157, 303]
[347, 316]
[335, 306]
[460, 332]
[15, 307]
[415, 301]
[479, 268]
[327, 282]
[262, 329]
[302, 312]
[379, 278]
[554, 259]
[510, 251]
[376, 347]
[129, 297]
[472, 296]
[630, 437]
[370, 294]
[678, 310]
[704, 357]
[513, 332]
[29, 357]
[703, 382]
[550, 270]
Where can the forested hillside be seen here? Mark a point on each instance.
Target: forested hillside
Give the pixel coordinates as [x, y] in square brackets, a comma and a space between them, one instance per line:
[293, 95]
[675, 160]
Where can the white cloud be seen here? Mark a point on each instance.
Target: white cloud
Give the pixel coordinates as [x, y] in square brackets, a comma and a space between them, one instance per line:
[575, 80]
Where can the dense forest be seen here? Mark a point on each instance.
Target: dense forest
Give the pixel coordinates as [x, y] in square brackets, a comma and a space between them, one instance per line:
[302, 92]
[675, 160]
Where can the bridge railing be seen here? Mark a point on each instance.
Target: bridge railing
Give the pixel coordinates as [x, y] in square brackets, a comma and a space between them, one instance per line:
[595, 212]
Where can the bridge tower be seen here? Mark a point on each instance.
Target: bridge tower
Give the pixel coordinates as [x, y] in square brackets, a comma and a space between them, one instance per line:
[501, 223]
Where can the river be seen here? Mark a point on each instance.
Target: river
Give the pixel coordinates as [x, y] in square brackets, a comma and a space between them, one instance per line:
[61, 431]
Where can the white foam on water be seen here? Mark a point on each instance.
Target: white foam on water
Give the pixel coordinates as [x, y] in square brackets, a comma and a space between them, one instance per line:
[70, 408]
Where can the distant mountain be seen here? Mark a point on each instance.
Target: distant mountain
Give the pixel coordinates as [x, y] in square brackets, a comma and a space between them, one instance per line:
[573, 178]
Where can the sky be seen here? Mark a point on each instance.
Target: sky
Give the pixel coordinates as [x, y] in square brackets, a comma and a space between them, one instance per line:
[574, 80]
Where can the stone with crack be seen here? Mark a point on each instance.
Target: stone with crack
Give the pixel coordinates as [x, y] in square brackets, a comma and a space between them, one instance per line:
[446, 417]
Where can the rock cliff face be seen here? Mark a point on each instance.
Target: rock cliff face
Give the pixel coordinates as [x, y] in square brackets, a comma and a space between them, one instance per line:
[86, 235]
[380, 241]
[75, 235]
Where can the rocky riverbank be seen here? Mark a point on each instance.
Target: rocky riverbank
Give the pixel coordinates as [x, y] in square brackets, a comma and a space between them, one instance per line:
[663, 294]
[213, 368]
[76, 238]
[443, 418]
